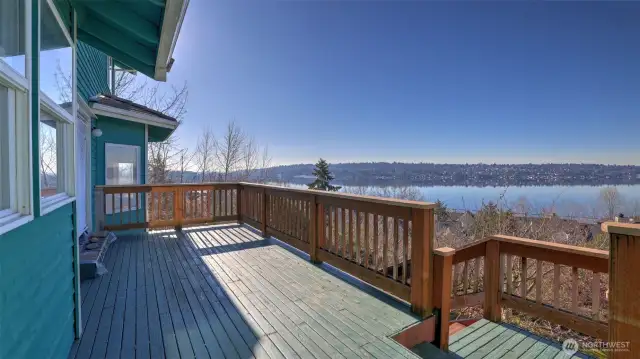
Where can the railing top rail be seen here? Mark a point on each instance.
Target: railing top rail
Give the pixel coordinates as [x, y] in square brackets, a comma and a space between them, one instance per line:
[354, 197]
[629, 229]
[589, 252]
[151, 185]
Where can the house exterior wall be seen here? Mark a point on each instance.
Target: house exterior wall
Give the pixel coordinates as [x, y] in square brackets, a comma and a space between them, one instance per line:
[118, 132]
[37, 287]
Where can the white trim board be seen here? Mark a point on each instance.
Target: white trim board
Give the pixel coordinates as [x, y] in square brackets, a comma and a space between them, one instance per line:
[133, 116]
[174, 13]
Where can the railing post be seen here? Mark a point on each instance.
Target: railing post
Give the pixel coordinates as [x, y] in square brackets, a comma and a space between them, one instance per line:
[264, 214]
[624, 289]
[492, 282]
[316, 226]
[239, 199]
[423, 223]
[442, 268]
[98, 194]
[178, 203]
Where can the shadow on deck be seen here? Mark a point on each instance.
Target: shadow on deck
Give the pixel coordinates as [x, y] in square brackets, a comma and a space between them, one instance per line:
[225, 292]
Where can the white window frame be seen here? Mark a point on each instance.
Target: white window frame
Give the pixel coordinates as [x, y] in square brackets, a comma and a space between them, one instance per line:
[19, 156]
[138, 149]
[65, 135]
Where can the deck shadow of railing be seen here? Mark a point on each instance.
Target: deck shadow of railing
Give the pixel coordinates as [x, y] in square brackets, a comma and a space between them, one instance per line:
[233, 335]
[225, 248]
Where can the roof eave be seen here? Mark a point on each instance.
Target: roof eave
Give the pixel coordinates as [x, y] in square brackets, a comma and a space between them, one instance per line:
[133, 116]
[174, 14]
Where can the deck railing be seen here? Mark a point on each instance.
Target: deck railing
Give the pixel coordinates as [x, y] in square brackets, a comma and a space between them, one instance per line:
[388, 244]
[384, 242]
[528, 276]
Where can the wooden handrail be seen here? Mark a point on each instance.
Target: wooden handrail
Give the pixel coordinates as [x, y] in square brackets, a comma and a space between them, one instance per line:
[501, 289]
[385, 242]
[348, 196]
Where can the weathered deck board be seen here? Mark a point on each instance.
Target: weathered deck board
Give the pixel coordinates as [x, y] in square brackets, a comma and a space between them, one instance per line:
[485, 339]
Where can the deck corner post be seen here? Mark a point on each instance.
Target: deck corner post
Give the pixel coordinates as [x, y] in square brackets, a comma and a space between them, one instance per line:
[442, 270]
[422, 238]
[239, 199]
[99, 208]
[624, 311]
[265, 214]
[492, 281]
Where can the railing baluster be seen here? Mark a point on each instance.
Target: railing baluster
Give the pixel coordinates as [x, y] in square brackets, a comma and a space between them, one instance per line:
[465, 277]
[349, 229]
[405, 249]
[396, 241]
[539, 281]
[509, 272]
[556, 285]
[574, 290]
[595, 296]
[385, 241]
[476, 275]
[523, 279]
[358, 238]
[343, 238]
[376, 237]
[336, 221]
[366, 240]
[502, 258]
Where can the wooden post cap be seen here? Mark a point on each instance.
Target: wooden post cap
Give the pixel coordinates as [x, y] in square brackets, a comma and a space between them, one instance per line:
[628, 229]
[444, 251]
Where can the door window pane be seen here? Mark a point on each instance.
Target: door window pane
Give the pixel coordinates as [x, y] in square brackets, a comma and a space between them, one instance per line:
[12, 31]
[122, 168]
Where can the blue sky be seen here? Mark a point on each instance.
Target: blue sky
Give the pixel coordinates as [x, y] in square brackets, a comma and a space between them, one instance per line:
[417, 81]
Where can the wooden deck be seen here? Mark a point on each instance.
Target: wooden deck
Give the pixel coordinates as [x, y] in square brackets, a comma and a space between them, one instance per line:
[485, 339]
[225, 292]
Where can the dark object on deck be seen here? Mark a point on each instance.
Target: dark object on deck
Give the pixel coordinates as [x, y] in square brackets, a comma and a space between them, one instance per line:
[93, 249]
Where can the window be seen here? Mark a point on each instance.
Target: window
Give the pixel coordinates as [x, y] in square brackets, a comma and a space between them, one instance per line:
[56, 128]
[12, 35]
[15, 180]
[122, 168]
[56, 56]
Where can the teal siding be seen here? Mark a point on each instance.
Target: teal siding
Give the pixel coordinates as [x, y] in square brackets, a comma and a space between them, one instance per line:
[37, 287]
[119, 132]
[92, 70]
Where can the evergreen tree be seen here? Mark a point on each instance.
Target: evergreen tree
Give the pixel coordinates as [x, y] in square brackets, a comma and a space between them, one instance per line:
[323, 178]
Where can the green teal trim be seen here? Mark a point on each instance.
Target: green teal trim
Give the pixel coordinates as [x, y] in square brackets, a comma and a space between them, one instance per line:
[77, 301]
[35, 105]
[129, 31]
[159, 134]
[36, 287]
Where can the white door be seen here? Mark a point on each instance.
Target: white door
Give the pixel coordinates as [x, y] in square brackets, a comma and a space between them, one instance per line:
[82, 156]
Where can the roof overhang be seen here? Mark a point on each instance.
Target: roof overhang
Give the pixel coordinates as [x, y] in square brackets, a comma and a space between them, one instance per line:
[133, 116]
[140, 34]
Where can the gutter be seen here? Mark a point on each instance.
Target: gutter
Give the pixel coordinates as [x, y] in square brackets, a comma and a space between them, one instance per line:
[175, 11]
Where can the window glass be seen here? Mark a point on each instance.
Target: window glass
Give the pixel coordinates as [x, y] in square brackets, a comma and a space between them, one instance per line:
[5, 172]
[122, 164]
[12, 34]
[56, 57]
[122, 168]
[50, 131]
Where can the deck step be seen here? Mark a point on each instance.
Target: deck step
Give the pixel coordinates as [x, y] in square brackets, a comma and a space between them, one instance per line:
[428, 350]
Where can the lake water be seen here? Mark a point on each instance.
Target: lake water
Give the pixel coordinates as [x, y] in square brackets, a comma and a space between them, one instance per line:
[574, 201]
